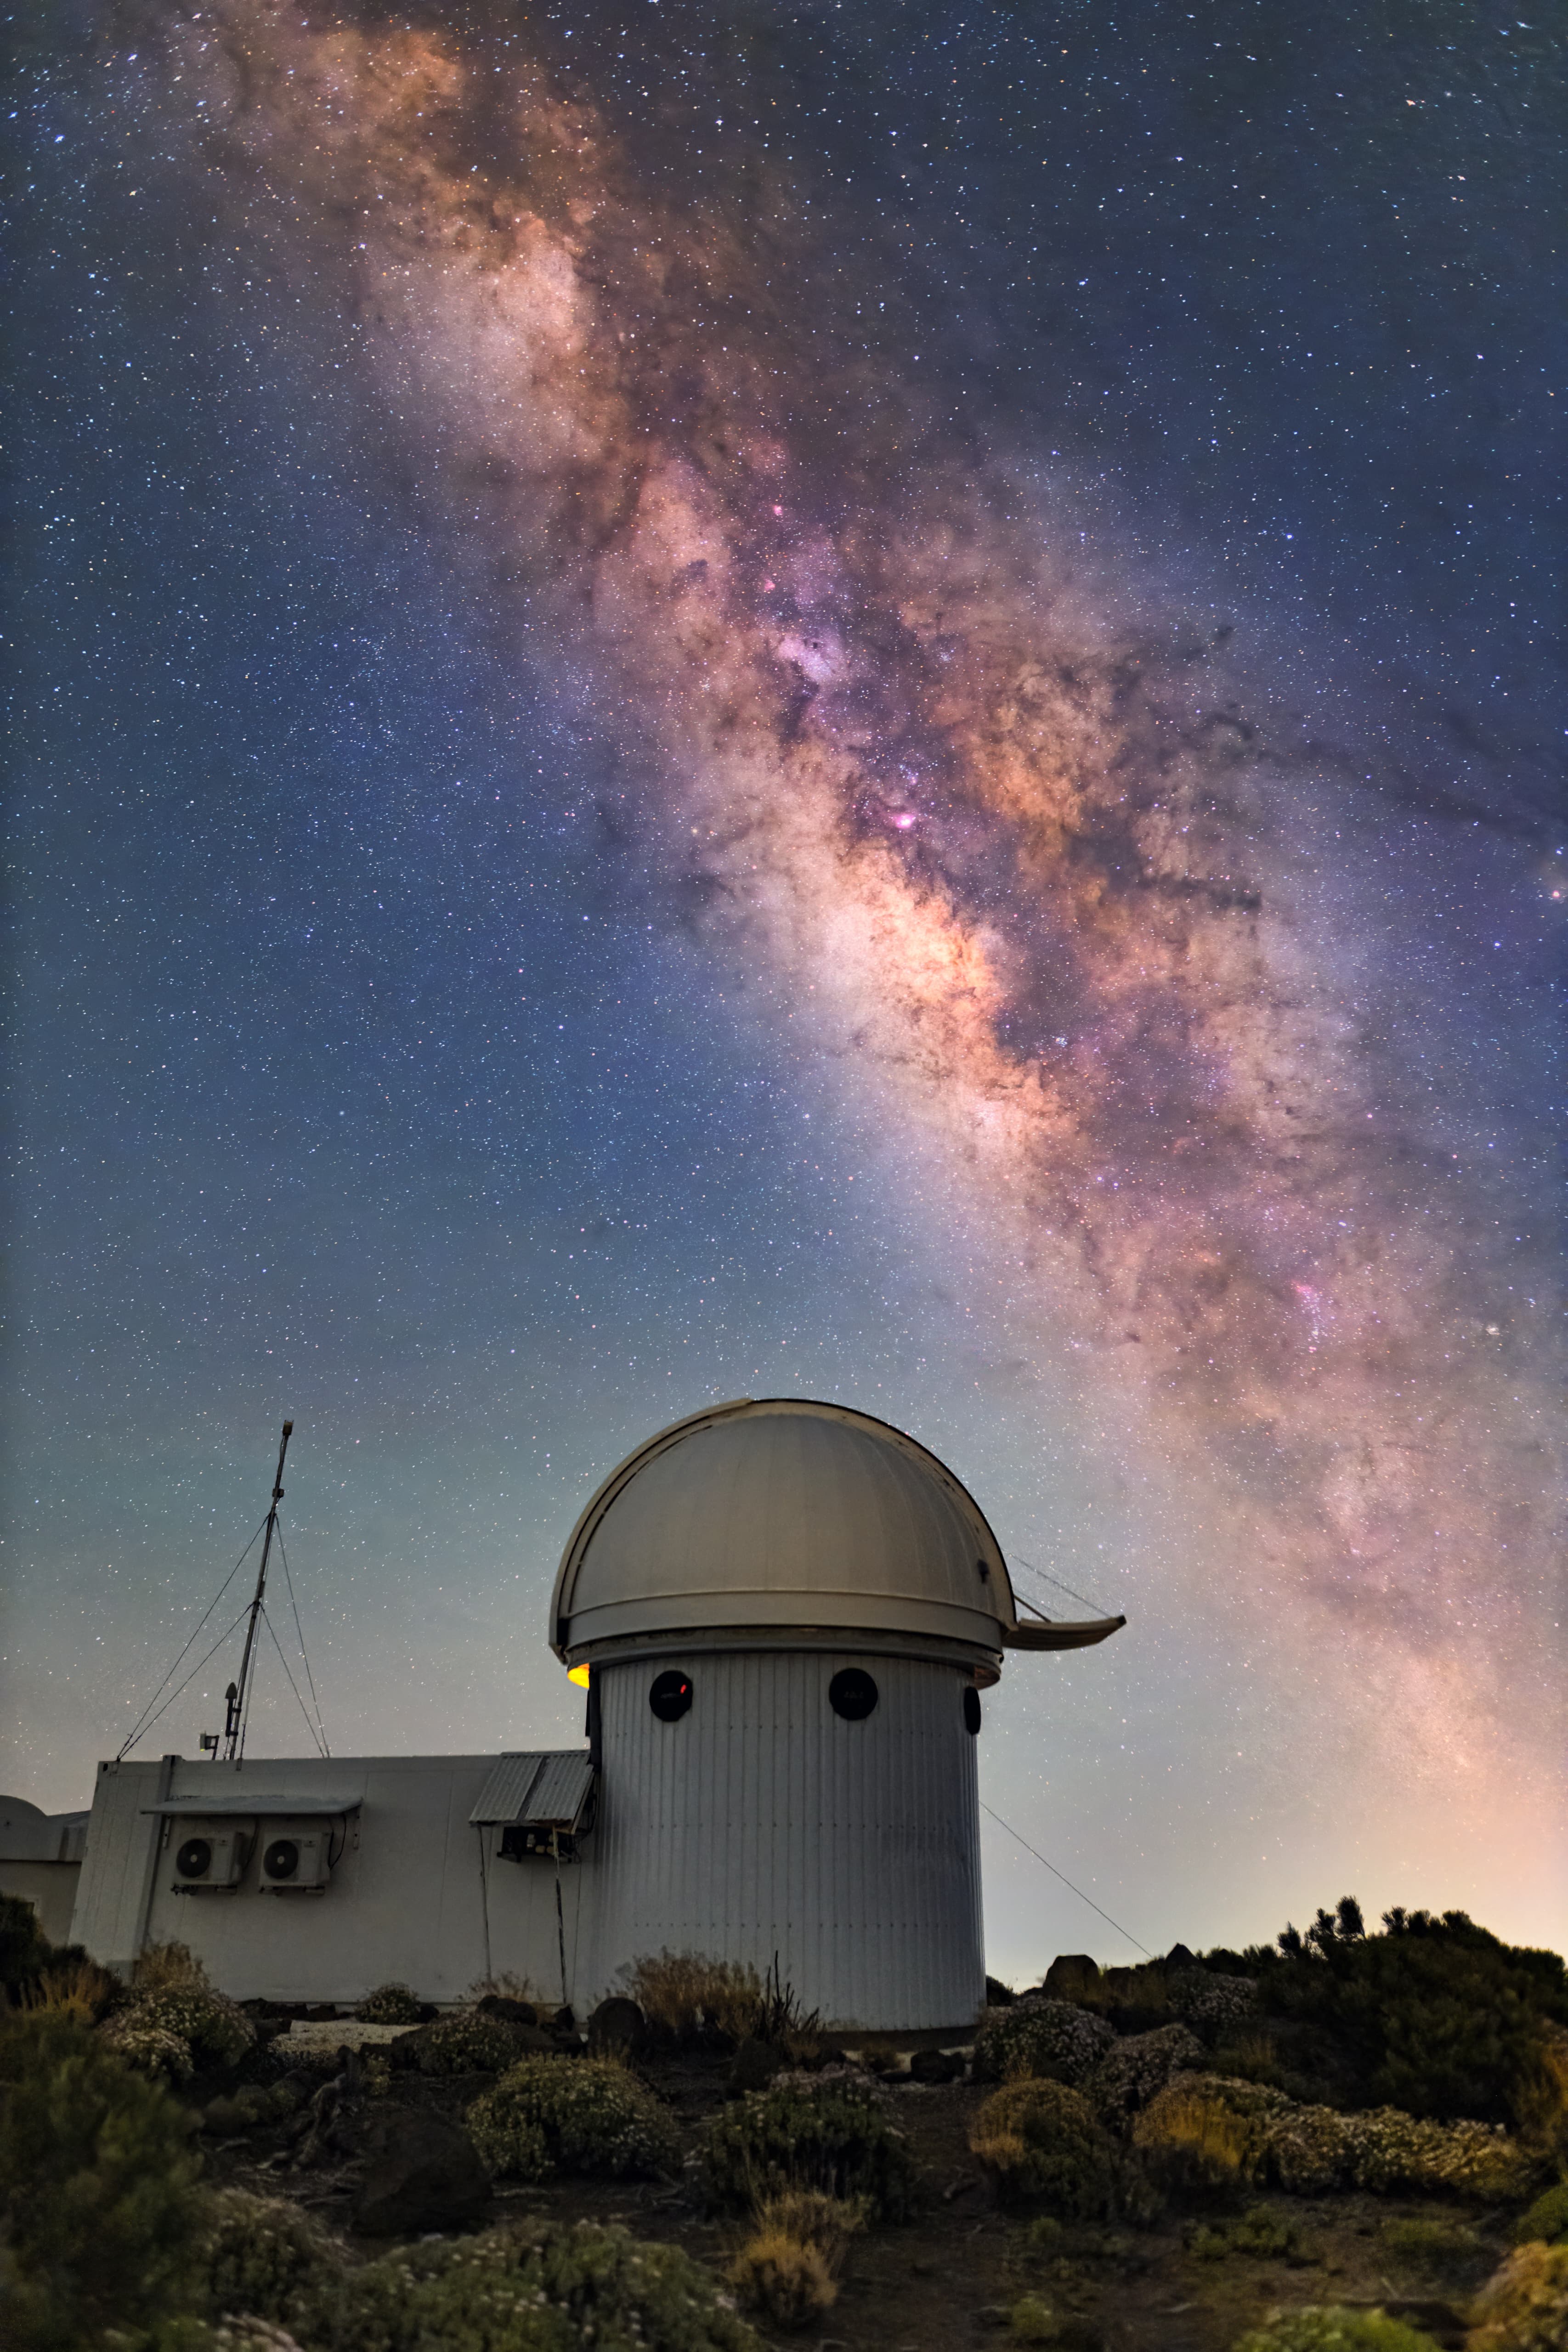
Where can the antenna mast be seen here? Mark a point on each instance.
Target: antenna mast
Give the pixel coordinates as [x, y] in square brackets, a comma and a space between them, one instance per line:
[239, 1693]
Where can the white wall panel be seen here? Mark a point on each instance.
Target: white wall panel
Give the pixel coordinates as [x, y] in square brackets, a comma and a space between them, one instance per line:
[764, 1822]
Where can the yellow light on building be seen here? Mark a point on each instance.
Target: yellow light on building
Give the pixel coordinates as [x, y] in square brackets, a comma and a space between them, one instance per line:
[578, 1674]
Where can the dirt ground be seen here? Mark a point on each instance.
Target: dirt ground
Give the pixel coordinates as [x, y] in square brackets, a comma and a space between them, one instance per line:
[952, 2276]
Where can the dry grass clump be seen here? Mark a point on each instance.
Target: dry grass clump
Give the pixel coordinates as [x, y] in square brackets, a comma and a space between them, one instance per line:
[1038, 2138]
[684, 1994]
[788, 2265]
[77, 1988]
[1197, 2140]
[510, 1986]
[167, 1967]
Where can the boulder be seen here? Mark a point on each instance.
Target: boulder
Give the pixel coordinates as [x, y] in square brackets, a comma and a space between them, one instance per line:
[421, 2173]
[936, 2066]
[997, 1994]
[1070, 1975]
[1178, 1957]
[618, 2027]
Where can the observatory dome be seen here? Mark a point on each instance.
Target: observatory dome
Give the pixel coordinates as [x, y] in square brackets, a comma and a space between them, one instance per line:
[783, 1519]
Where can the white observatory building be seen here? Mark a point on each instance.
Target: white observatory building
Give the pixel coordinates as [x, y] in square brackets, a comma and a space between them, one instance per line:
[786, 1611]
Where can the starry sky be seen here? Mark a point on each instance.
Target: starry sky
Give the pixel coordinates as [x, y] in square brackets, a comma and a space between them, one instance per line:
[833, 701]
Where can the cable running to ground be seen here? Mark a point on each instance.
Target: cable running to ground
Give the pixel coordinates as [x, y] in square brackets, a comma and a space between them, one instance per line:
[190, 1678]
[304, 1653]
[145, 1720]
[1066, 1880]
[293, 1685]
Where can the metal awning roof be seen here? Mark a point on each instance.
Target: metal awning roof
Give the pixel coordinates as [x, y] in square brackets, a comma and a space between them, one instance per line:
[538, 1790]
[227, 1806]
[1062, 1634]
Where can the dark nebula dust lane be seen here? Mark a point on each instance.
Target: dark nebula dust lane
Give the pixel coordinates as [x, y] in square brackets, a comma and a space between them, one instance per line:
[1055, 624]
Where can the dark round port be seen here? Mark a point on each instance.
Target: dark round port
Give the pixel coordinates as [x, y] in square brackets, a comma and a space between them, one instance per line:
[282, 1859]
[195, 1858]
[971, 1710]
[852, 1694]
[671, 1695]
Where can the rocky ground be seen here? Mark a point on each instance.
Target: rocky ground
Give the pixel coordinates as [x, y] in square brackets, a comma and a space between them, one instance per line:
[964, 2272]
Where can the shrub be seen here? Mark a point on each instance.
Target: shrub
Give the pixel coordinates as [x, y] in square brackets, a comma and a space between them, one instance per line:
[167, 1967]
[216, 2030]
[685, 1996]
[148, 2049]
[1260, 2231]
[1332, 2328]
[1212, 2004]
[829, 2134]
[1135, 2070]
[75, 1988]
[572, 2114]
[1052, 2039]
[1040, 2139]
[788, 2266]
[99, 2189]
[465, 2043]
[264, 2257]
[1435, 2016]
[389, 2004]
[1446, 2250]
[1031, 2320]
[551, 2290]
[1204, 2133]
[25, 1949]
[1546, 2218]
[1523, 2307]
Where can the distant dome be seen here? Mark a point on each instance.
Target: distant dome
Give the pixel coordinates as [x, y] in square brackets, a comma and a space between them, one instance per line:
[776, 1518]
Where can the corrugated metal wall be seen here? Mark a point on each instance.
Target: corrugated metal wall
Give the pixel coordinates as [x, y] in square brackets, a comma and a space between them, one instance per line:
[761, 1821]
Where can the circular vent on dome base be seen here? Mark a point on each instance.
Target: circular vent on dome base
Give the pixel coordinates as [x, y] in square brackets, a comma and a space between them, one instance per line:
[852, 1694]
[671, 1695]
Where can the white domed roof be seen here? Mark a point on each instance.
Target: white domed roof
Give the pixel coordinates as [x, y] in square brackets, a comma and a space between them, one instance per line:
[781, 1516]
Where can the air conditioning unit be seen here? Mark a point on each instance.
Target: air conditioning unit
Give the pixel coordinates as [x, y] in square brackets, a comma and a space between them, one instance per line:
[211, 1853]
[297, 1857]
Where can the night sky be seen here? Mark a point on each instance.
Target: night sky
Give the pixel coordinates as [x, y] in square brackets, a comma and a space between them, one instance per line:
[861, 701]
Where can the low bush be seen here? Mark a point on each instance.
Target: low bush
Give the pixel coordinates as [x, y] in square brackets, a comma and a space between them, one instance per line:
[685, 1996]
[830, 2134]
[1204, 2133]
[99, 2189]
[1260, 2231]
[1039, 2139]
[553, 2289]
[148, 2049]
[467, 2044]
[1547, 2219]
[1213, 2005]
[1332, 2328]
[390, 2004]
[1436, 2249]
[1136, 2069]
[572, 2114]
[1031, 2320]
[217, 2031]
[1054, 2039]
[1523, 2307]
[265, 2256]
[787, 2267]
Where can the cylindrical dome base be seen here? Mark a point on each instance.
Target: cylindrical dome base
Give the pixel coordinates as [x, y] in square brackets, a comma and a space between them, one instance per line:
[760, 1822]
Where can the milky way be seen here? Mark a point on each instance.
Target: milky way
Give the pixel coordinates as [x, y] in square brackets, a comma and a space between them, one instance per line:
[1063, 864]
